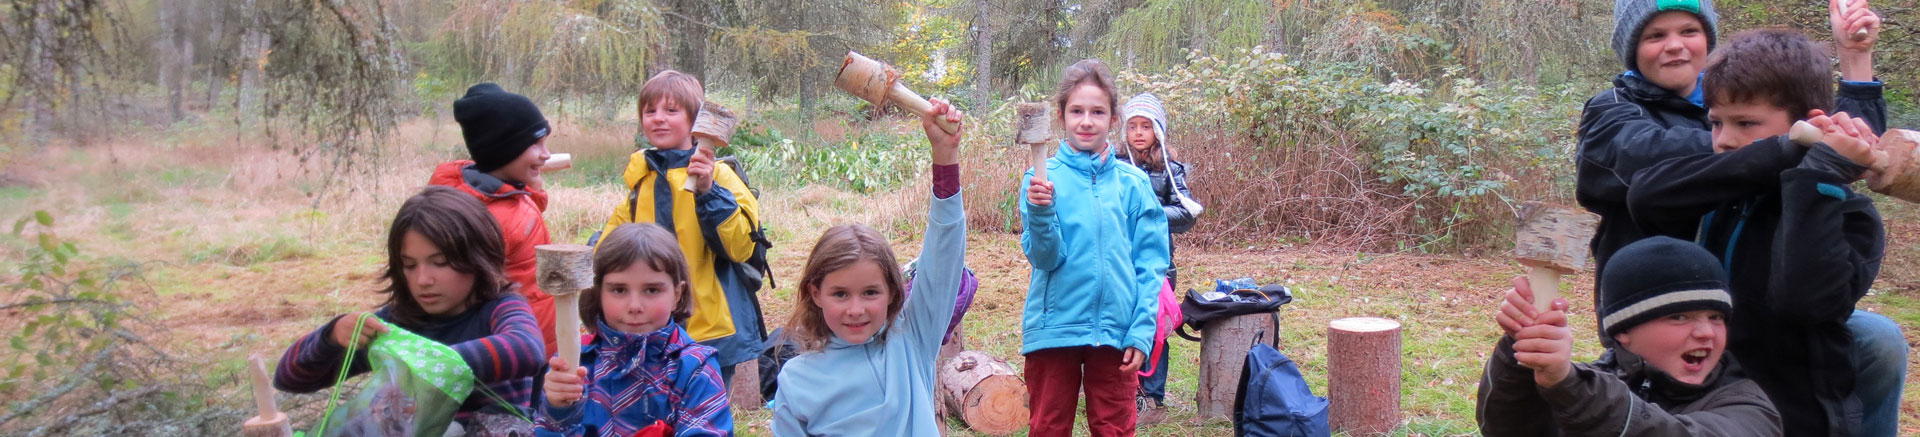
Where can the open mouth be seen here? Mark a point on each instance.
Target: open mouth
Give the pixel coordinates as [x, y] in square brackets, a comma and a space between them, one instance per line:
[1695, 357]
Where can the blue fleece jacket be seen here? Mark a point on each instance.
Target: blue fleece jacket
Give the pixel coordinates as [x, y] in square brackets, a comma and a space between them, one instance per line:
[1098, 252]
[883, 387]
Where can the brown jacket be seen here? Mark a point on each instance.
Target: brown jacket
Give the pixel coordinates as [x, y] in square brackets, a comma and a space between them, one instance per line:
[1619, 394]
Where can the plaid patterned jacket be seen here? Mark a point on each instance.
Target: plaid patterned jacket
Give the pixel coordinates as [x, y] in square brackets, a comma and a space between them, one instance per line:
[635, 380]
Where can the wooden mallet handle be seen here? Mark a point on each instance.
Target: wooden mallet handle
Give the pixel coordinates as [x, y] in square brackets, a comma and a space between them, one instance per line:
[563, 270]
[1545, 282]
[876, 82]
[268, 420]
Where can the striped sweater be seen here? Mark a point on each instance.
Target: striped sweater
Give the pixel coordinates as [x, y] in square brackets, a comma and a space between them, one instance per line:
[498, 339]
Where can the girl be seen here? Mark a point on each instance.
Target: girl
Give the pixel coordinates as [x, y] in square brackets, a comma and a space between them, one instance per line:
[868, 361]
[1097, 240]
[711, 224]
[1146, 135]
[641, 368]
[444, 258]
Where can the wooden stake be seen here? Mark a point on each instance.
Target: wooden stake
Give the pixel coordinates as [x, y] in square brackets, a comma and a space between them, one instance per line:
[1363, 375]
[563, 270]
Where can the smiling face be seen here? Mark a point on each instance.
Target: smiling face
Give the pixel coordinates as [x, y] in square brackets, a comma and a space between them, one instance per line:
[1685, 345]
[1087, 118]
[431, 279]
[1672, 51]
[1737, 124]
[526, 168]
[667, 125]
[853, 301]
[638, 299]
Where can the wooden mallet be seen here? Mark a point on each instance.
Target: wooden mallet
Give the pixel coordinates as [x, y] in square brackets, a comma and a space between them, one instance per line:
[713, 128]
[563, 270]
[877, 83]
[1896, 172]
[557, 161]
[1034, 128]
[269, 422]
[1551, 241]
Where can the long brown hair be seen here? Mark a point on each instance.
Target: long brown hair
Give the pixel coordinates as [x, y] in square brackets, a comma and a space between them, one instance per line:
[1085, 71]
[839, 247]
[630, 245]
[466, 235]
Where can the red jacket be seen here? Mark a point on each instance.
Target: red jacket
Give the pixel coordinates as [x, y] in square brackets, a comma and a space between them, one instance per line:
[518, 212]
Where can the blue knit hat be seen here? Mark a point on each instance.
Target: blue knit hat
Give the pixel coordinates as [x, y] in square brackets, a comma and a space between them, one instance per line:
[1630, 16]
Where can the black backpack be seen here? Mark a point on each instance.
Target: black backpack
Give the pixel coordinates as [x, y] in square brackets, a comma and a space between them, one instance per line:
[1196, 310]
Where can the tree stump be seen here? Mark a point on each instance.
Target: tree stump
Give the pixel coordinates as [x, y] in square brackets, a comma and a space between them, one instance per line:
[984, 392]
[744, 393]
[1363, 375]
[1223, 352]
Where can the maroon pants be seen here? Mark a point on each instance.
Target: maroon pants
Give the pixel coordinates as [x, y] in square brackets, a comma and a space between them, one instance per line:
[1054, 379]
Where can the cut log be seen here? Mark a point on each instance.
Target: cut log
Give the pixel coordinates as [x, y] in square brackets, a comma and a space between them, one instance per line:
[744, 393]
[984, 392]
[1363, 375]
[1223, 352]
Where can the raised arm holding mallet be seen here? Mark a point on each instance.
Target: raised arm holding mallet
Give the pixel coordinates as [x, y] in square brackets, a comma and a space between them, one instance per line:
[1551, 241]
[877, 83]
[563, 271]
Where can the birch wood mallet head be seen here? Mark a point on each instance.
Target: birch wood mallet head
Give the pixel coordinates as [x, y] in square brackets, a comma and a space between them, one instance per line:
[1895, 173]
[1034, 129]
[714, 128]
[1552, 241]
[878, 83]
[268, 421]
[563, 270]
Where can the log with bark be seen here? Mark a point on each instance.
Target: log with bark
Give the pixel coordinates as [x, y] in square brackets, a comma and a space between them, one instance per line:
[1223, 354]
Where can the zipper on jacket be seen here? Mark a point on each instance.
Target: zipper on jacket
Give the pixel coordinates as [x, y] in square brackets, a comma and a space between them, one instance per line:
[1099, 241]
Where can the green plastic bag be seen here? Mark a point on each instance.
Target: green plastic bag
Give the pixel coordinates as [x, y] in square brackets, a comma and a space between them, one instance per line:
[416, 386]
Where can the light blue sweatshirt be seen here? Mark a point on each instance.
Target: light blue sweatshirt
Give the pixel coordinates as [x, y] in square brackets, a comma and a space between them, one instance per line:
[883, 387]
[1098, 251]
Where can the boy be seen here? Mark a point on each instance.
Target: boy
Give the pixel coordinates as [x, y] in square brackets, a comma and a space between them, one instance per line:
[1800, 246]
[1665, 305]
[1655, 110]
[506, 137]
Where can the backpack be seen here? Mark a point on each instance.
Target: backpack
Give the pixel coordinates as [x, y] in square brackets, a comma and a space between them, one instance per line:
[1228, 299]
[755, 269]
[1274, 399]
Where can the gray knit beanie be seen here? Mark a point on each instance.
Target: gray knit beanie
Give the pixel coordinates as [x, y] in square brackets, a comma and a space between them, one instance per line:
[1629, 16]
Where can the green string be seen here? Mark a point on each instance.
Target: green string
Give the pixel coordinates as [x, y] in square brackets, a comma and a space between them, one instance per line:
[344, 366]
[503, 402]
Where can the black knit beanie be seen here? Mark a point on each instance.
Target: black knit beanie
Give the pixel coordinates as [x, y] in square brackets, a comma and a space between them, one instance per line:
[1659, 276]
[1630, 16]
[498, 125]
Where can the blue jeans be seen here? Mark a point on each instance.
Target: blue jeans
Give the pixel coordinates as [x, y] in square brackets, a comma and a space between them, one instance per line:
[1880, 370]
[1155, 385]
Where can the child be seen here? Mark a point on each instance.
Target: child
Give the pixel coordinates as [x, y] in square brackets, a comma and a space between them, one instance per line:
[867, 366]
[641, 369]
[712, 223]
[1146, 134]
[1655, 110]
[507, 139]
[1800, 246]
[444, 283]
[1666, 306]
[1097, 239]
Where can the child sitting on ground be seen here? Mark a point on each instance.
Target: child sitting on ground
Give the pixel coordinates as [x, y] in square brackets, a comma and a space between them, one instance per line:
[1799, 245]
[867, 366]
[640, 371]
[1665, 305]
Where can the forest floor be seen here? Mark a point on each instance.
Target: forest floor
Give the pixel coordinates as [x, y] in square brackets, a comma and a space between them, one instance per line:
[241, 256]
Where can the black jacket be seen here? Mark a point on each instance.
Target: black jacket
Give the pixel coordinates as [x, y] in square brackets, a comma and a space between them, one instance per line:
[1800, 248]
[1619, 395]
[1165, 182]
[1637, 124]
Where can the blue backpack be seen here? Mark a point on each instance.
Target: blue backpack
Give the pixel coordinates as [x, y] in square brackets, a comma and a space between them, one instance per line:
[1274, 400]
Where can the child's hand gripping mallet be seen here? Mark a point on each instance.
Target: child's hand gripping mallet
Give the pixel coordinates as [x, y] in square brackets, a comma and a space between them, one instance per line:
[563, 270]
[876, 82]
[1895, 172]
[1551, 241]
[1034, 128]
[270, 422]
[713, 128]
[1858, 34]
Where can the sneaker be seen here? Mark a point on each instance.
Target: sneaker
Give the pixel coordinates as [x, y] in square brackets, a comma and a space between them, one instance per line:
[1148, 411]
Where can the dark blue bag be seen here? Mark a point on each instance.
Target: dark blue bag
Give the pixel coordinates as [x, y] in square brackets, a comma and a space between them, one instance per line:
[1274, 399]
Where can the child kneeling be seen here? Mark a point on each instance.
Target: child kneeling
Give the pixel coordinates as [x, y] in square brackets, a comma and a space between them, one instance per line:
[1665, 303]
[641, 373]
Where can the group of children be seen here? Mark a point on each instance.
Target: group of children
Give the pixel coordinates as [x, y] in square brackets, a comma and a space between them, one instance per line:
[667, 316]
[1730, 257]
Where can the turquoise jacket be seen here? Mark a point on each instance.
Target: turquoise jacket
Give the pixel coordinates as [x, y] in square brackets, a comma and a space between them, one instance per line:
[1098, 251]
[883, 387]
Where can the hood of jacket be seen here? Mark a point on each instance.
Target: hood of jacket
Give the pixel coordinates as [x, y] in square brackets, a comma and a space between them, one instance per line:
[482, 186]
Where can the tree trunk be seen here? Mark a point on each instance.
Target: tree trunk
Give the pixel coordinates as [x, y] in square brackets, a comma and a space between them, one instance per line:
[40, 71]
[253, 51]
[982, 56]
[984, 392]
[1223, 354]
[1363, 375]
